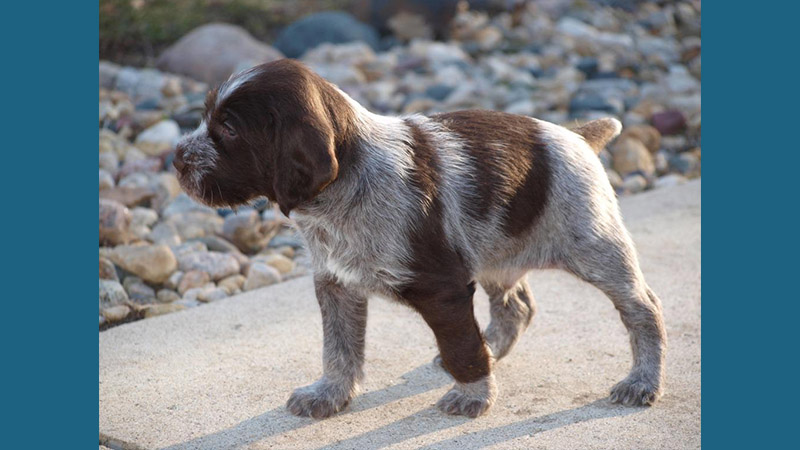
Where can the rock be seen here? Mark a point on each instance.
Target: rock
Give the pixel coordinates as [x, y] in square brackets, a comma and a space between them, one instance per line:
[669, 122]
[102, 321]
[138, 291]
[193, 279]
[193, 225]
[159, 309]
[109, 162]
[281, 263]
[174, 280]
[183, 204]
[247, 232]
[107, 270]
[158, 138]
[167, 296]
[232, 284]
[587, 101]
[686, 164]
[605, 158]
[128, 195]
[669, 180]
[407, 26]
[116, 313]
[149, 165]
[164, 233]
[111, 294]
[438, 92]
[108, 74]
[630, 155]
[261, 275]
[115, 221]
[188, 247]
[143, 216]
[329, 26]
[661, 162]
[153, 263]
[193, 293]
[634, 183]
[523, 107]
[217, 265]
[210, 295]
[614, 179]
[106, 180]
[647, 135]
[212, 52]
[216, 244]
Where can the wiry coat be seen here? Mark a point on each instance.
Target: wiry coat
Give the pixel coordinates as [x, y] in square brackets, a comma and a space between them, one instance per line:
[418, 209]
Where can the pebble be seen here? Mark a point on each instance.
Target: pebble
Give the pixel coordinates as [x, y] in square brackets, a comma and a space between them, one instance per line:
[159, 309]
[646, 134]
[634, 183]
[138, 290]
[217, 265]
[193, 279]
[232, 284]
[153, 263]
[106, 180]
[281, 263]
[107, 270]
[630, 155]
[174, 280]
[164, 233]
[143, 216]
[686, 164]
[244, 229]
[210, 295]
[111, 294]
[669, 122]
[115, 221]
[167, 296]
[261, 275]
[116, 313]
[670, 180]
[158, 138]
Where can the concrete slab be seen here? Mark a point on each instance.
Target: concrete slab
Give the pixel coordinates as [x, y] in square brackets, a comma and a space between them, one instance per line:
[217, 376]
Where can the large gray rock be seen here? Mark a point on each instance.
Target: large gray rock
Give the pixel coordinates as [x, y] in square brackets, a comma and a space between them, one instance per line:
[330, 26]
[212, 52]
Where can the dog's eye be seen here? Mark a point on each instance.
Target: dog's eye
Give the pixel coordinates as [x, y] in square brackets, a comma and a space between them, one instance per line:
[228, 130]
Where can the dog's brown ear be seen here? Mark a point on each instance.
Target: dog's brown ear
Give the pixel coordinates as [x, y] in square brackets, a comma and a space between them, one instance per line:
[600, 132]
[305, 164]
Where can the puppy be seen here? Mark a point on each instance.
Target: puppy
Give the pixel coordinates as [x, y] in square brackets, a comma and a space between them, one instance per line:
[418, 209]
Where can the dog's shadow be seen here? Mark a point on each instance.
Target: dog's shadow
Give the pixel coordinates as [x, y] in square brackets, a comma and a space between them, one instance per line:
[417, 381]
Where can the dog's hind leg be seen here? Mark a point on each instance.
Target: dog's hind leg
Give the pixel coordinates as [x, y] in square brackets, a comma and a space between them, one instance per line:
[609, 262]
[512, 311]
[344, 321]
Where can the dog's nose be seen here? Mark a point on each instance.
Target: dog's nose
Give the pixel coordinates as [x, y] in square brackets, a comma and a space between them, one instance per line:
[178, 161]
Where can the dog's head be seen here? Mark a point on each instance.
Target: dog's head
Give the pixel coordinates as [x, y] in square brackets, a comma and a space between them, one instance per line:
[272, 130]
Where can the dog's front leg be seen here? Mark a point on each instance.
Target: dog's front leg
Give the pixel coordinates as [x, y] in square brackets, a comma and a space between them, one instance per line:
[344, 320]
[465, 355]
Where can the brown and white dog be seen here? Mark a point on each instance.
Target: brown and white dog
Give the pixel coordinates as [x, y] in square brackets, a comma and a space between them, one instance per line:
[418, 209]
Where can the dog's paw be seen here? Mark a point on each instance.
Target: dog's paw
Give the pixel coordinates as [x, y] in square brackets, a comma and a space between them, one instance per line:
[469, 399]
[319, 400]
[635, 391]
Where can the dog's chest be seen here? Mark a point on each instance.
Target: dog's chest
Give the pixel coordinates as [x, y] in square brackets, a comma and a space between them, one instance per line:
[357, 255]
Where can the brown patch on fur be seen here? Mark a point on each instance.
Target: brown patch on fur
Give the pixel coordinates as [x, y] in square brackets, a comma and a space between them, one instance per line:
[442, 288]
[598, 133]
[511, 165]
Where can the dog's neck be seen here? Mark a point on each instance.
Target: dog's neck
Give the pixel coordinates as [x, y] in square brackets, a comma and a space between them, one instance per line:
[374, 158]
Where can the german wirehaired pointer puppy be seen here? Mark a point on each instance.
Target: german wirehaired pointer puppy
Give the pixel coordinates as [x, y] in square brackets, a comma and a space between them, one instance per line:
[418, 209]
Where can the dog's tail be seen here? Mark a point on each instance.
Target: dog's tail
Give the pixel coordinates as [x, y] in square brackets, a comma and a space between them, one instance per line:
[600, 132]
